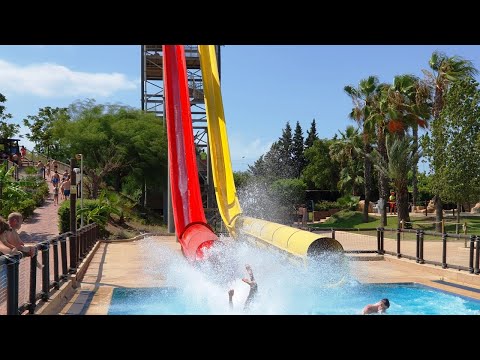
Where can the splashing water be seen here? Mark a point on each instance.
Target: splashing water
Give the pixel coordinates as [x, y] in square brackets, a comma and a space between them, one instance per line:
[283, 288]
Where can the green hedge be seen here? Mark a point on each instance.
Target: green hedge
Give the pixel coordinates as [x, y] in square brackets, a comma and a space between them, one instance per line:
[38, 192]
[64, 213]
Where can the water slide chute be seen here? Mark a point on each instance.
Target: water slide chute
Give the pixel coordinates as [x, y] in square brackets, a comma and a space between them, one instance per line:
[299, 243]
[192, 230]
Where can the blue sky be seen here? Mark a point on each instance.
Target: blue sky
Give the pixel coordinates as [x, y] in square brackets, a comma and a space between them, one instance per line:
[263, 86]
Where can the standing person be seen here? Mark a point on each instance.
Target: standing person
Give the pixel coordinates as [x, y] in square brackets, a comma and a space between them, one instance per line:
[55, 165]
[47, 167]
[65, 187]
[23, 152]
[55, 179]
[391, 201]
[41, 168]
[55, 195]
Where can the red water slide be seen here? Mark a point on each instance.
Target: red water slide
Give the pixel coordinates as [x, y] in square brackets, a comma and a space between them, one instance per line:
[193, 232]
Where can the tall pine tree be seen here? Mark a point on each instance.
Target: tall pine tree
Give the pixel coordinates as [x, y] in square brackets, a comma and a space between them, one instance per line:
[311, 135]
[298, 157]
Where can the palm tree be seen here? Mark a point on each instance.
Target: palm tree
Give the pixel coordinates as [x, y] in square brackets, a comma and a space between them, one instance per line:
[444, 71]
[378, 118]
[346, 151]
[362, 98]
[400, 159]
[411, 106]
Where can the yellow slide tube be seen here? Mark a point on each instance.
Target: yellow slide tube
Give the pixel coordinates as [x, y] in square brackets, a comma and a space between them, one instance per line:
[219, 150]
[296, 242]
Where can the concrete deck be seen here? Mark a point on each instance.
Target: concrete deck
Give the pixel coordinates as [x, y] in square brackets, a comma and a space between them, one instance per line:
[121, 264]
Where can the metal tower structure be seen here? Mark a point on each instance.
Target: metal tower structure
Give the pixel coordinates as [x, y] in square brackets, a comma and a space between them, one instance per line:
[153, 101]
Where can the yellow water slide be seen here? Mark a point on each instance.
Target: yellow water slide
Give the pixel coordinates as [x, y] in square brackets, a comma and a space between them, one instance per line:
[296, 242]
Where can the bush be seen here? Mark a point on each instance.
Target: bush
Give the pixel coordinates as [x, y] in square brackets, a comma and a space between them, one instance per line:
[348, 202]
[326, 205]
[64, 213]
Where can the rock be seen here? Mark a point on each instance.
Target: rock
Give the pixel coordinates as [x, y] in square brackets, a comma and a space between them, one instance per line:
[361, 205]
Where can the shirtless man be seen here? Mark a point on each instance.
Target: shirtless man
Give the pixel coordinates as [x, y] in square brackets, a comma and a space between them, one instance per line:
[15, 221]
[65, 187]
[379, 307]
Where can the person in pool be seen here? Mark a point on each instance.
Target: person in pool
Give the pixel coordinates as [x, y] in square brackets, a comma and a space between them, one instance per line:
[250, 280]
[379, 307]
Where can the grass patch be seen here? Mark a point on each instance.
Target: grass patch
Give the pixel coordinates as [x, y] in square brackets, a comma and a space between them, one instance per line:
[353, 219]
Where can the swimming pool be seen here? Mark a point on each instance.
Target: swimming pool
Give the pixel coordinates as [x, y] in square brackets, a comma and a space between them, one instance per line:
[405, 299]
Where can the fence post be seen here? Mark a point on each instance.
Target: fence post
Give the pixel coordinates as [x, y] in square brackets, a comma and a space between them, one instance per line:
[472, 249]
[73, 253]
[46, 270]
[12, 284]
[399, 235]
[378, 241]
[444, 251]
[56, 278]
[477, 254]
[417, 252]
[63, 249]
[382, 236]
[420, 260]
[32, 298]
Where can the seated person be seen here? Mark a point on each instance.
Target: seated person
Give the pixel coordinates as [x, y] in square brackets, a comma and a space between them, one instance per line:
[379, 307]
[15, 221]
[5, 247]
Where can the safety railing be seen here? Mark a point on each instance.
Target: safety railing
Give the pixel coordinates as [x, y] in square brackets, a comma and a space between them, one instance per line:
[449, 251]
[26, 281]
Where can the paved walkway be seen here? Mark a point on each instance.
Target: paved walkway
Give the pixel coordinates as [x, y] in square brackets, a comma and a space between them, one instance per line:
[43, 224]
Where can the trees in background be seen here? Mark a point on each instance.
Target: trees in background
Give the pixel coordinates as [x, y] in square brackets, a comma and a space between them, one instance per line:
[41, 131]
[7, 130]
[445, 70]
[453, 144]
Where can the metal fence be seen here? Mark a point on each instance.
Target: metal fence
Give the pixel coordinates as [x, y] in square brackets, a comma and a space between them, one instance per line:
[25, 281]
[453, 251]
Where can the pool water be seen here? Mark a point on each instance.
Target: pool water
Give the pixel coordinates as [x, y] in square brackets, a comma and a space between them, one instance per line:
[348, 299]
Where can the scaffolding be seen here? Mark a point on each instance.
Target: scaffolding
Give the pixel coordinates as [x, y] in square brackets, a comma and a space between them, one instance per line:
[153, 101]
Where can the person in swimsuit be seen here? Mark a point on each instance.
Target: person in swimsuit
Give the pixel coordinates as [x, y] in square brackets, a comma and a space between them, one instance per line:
[250, 280]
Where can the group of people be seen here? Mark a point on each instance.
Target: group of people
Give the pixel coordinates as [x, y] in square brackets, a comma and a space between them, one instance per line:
[62, 186]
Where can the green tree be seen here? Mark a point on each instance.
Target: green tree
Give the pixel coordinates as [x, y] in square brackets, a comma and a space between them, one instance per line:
[347, 152]
[444, 71]
[378, 117]
[7, 130]
[241, 178]
[400, 160]
[410, 107]
[298, 148]
[115, 142]
[41, 130]
[321, 171]
[311, 135]
[456, 179]
[362, 98]
[285, 153]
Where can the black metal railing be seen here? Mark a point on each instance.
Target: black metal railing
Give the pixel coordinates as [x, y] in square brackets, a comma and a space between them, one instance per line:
[443, 248]
[53, 261]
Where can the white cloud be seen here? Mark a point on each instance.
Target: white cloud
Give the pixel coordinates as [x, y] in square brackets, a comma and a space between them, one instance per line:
[52, 80]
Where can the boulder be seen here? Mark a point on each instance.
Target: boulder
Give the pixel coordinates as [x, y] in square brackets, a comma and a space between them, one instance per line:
[361, 205]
